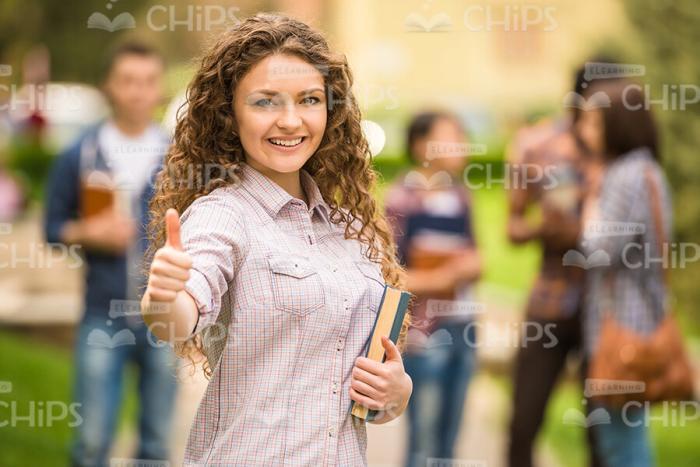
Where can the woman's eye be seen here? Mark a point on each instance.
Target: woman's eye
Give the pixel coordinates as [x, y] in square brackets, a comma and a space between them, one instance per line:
[311, 100]
[263, 102]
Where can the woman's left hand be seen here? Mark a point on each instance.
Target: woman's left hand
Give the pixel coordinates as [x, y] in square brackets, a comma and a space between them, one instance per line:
[382, 386]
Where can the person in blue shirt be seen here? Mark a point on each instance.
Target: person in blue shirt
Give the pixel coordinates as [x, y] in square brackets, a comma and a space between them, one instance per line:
[430, 212]
[125, 151]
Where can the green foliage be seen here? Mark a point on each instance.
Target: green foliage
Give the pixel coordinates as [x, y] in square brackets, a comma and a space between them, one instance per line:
[669, 36]
[30, 162]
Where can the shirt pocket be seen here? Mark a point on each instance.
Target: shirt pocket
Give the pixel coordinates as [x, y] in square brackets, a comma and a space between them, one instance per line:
[296, 284]
[374, 280]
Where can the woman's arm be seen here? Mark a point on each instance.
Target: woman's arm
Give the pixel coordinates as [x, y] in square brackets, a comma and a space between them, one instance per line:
[173, 321]
[190, 275]
[168, 310]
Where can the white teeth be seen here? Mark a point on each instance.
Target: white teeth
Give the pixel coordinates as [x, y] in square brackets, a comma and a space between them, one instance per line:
[283, 142]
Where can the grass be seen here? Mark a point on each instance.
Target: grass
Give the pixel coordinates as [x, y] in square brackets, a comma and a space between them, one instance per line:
[40, 373]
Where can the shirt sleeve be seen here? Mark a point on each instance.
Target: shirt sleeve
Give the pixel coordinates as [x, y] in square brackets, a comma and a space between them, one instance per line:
[213, 234]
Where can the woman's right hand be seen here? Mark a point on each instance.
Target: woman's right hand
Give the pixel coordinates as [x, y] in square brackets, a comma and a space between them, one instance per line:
[171, 265]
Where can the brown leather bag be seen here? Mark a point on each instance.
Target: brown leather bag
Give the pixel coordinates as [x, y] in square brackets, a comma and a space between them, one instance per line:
[658, 360]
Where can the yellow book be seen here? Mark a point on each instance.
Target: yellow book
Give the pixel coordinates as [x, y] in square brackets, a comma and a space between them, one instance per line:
[392, 310]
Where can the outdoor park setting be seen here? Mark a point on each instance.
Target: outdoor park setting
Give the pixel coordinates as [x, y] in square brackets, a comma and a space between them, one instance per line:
[545, 150]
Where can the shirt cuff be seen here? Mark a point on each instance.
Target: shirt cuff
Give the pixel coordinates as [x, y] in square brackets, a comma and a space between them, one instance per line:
[198, 288]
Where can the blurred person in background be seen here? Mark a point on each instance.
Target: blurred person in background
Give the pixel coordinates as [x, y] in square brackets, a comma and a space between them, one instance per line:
[97, 198]
[430, 212]
[545, 203]
[621, 136]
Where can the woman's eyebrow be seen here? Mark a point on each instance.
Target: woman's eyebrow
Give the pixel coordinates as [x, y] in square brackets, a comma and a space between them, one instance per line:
[270, 92]
[310, 91]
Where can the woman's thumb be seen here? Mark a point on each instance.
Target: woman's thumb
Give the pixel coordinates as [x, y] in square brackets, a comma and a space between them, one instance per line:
[172, 229]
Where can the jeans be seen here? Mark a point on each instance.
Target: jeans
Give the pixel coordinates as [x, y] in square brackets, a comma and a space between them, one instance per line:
[440, 375]
[103, 350]
[624, 442]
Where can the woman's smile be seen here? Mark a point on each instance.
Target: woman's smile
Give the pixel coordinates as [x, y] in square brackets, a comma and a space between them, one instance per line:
[287, 143]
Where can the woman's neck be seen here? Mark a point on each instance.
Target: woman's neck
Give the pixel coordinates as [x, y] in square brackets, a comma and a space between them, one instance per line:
[289, 182]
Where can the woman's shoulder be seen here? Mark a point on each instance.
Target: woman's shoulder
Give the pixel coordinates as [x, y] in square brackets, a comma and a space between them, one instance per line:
[639, 158]
[631, 166]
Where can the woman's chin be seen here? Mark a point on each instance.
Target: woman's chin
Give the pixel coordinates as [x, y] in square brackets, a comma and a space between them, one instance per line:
[287, 163]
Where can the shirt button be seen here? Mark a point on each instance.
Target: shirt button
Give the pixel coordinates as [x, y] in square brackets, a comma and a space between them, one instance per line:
[335, 388]
[341, 343]
[331, 432]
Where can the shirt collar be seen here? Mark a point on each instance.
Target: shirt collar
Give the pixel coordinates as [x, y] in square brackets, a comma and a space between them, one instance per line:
[273, 197]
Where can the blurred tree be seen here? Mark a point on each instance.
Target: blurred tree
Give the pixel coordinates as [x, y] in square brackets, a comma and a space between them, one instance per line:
[670, 35]
[61, 25]
[77, 51]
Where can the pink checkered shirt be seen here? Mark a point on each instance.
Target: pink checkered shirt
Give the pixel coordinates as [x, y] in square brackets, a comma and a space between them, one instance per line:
[292, 304]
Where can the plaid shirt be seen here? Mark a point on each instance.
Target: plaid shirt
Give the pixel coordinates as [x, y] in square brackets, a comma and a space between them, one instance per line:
[292, 304]
[631, 287]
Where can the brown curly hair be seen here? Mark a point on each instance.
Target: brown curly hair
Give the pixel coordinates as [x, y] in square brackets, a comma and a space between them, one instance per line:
[207, 149]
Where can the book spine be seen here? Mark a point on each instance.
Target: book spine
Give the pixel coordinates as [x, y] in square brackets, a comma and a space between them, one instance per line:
[394, 335]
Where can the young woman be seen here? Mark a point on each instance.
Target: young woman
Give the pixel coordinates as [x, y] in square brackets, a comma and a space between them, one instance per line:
[280, 246]
[622, 134]
[430, 211]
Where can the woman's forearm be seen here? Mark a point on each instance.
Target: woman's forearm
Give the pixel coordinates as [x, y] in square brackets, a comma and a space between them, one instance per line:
[170, 321]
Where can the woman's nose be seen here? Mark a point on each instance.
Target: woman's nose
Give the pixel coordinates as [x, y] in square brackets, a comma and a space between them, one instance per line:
[290, 119]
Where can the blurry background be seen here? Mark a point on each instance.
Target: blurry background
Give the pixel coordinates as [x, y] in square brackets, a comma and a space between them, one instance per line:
[473, 57]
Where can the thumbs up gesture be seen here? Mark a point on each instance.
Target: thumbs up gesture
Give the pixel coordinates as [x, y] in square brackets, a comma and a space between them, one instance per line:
[171, 266]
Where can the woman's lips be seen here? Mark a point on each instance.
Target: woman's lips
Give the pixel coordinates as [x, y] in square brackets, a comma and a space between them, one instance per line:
[286, 144]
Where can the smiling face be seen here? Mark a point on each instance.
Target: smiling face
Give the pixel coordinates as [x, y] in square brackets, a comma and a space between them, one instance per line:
[280, 109]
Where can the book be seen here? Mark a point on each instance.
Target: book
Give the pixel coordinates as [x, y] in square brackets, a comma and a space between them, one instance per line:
[392, 311]
[96, 194]
[428, 255]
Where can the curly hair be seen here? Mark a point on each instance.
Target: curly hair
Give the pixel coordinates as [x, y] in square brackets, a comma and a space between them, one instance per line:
[207, 150]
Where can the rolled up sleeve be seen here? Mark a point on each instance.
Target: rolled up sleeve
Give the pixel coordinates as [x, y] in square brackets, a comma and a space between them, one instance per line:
[213, 234]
